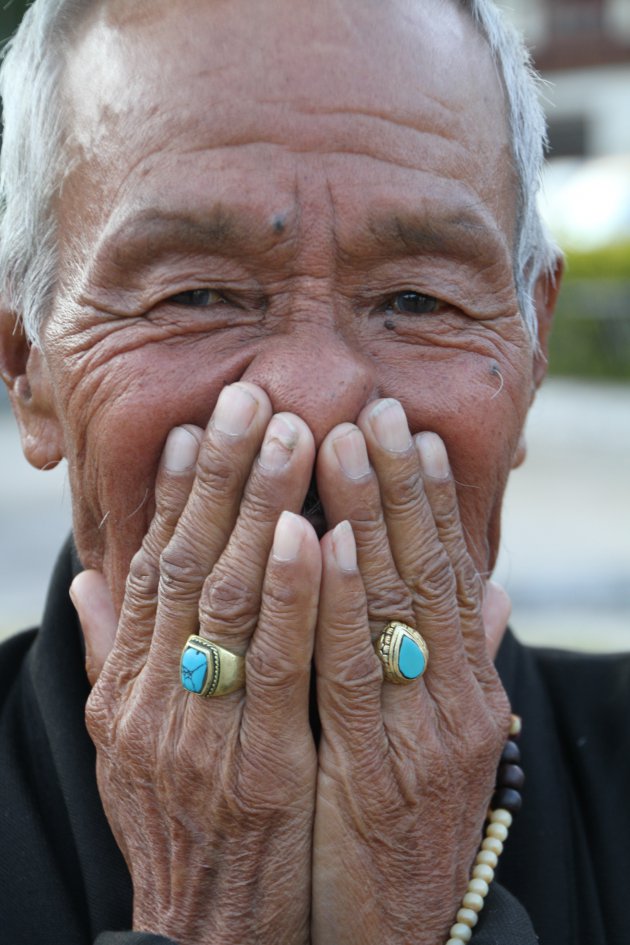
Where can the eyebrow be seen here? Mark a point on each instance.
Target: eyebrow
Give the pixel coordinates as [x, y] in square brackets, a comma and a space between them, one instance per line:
[140, 239]
[463, 233]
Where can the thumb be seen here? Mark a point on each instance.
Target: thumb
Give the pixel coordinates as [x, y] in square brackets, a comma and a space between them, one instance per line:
[495, 611]
[90, 595]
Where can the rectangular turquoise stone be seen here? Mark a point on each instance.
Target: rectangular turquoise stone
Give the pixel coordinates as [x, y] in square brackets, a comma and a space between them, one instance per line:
[193, 669]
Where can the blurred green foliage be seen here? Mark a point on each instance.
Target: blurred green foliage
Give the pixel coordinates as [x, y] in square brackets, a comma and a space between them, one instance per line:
[591, 333]
[608, 262]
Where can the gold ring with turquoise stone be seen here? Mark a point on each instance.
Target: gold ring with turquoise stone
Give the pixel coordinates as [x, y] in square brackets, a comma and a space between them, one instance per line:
[402, 652]
[210, 670]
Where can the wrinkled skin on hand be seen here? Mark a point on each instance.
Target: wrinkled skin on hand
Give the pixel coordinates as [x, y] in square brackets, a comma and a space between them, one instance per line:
[212, 801]
[234, 825]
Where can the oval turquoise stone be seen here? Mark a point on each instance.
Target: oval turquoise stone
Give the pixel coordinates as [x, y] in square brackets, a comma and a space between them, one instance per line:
[193, 669]
[410, 659]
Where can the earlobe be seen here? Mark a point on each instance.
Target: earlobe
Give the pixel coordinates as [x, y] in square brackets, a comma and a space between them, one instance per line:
[520, 453]
[24, 371]
[545, 297]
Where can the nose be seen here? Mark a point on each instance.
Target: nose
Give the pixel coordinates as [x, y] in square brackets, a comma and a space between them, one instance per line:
[320, 377]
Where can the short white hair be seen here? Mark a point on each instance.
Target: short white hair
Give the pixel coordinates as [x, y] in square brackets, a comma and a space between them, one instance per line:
[33, 162]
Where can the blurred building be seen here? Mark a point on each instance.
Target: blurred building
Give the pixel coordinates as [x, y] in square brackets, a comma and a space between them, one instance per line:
[583, 48]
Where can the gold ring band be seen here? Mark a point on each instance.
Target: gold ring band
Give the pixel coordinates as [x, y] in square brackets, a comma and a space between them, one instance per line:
[403, 653]
[208, 669]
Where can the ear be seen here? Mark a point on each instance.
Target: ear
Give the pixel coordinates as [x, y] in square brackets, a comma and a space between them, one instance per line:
[521, 452]
[545, 297]
[23, 369]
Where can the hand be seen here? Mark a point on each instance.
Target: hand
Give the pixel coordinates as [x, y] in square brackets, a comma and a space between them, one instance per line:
[405, 772]
[211, 801]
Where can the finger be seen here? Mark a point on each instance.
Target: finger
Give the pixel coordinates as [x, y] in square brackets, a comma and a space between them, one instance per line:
[349, 674]
[495, 611]
[227, 452]
[172, 487]
[349, 490]
[279, 658]
[230, 602]
[90, 595]
[420, 558]
[441, 494]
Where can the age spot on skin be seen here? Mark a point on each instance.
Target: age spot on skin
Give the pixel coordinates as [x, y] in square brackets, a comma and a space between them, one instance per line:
[278, 223]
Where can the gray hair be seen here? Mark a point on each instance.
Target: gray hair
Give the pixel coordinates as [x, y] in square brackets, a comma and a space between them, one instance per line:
[33, 160]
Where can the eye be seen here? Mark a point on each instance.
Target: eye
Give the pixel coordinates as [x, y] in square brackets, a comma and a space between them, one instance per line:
[413, 303]
[197, 298]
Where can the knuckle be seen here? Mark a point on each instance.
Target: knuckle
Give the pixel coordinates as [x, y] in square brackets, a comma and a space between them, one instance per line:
[436, 579]
[272, 668]
[215, 473]
[143, 576]
[405, 491]
[228, 598]
[390, 602]
[169, 501]
[366, 516]
[179, 567]
[281, 598]
[261, 503]
[360, 673]
[443, 500]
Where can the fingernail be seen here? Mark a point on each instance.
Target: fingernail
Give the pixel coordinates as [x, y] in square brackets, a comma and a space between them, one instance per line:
[235, 410]
[352, 454]
[280, 440]
[180, 451]
[288, 537]
[344, 546]
[390, 427]
[433, 458]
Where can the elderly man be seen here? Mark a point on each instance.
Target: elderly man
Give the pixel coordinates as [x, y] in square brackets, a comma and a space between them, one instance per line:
[262, 259]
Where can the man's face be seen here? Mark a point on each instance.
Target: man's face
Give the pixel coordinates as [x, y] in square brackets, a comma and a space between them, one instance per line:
[313, 197]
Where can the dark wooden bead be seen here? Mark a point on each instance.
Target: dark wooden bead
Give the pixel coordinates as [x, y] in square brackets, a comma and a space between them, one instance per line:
[511, 753]
[510, 776]
[507, 798]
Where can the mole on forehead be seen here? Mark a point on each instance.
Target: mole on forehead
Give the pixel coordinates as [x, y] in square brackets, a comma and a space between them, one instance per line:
[279, 222]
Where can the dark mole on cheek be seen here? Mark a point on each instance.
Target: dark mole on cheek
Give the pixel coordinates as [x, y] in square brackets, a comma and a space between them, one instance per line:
[494, 369]
[389, 324]
[278, 223]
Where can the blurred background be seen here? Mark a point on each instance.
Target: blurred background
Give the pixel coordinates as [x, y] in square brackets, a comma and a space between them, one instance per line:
[565, 556]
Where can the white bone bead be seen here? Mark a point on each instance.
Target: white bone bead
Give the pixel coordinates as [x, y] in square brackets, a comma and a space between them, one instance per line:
[478, 886]
[483, 872]
[454, 941]
[498, 831]
[492, 844]
[472, 901]
[488, 858]
[501, 816]
[461, 932]
[467, 917]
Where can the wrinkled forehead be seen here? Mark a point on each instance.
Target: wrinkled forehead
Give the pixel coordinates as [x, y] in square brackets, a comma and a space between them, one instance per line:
[388, 77]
